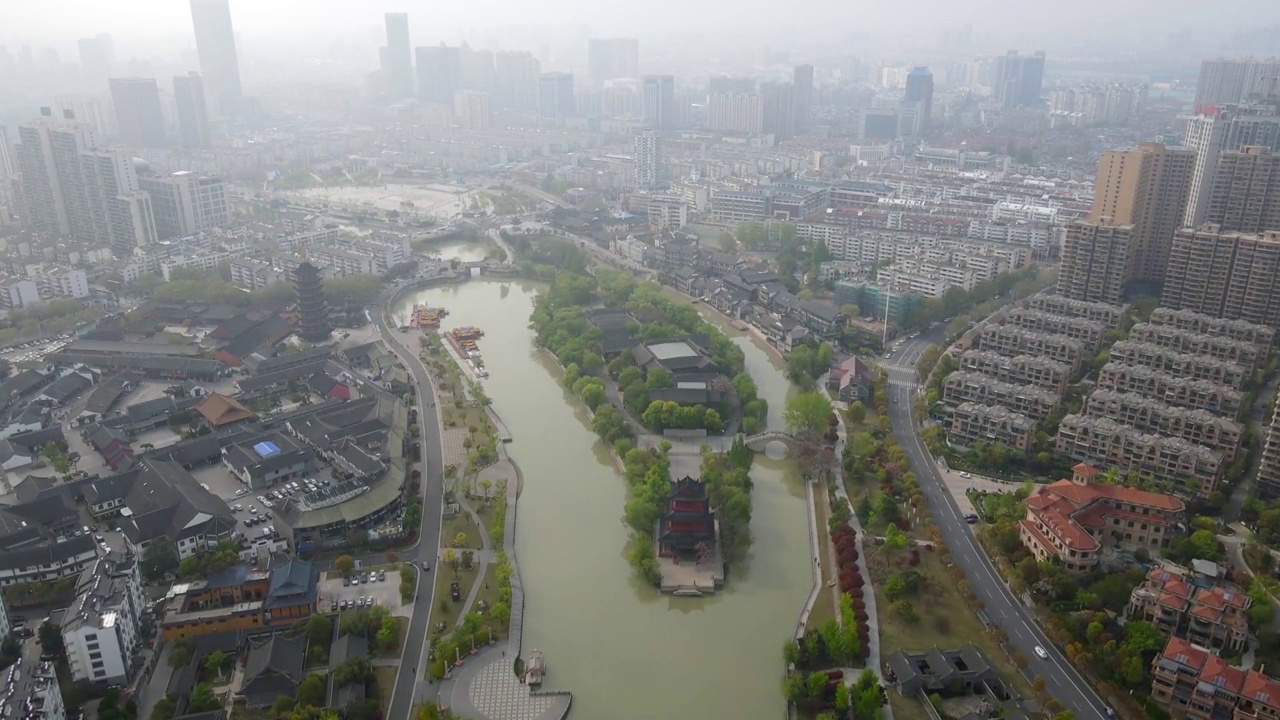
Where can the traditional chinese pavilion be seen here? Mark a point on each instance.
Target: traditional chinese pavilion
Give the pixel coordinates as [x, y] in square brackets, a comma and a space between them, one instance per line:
[687, 528]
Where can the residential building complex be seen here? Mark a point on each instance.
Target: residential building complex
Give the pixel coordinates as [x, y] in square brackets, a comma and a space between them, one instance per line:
[1215, 346]
[1228, 81]
[1179, 364]
[1095, 262]
[1198, 606]
[1173, 462]
[1225, 274]
[1192, 321]
[1106, 313]
[1070, 521]
[1245, 196]
[1177, 391]
[1013, 341]
[193, 111]
[185, 203]
[1194, 683]
[139, 119]
[971, 422]
[1268, 479]
[1218, 130]
[1201, 427]
[1034, 402]
[1034, 370]
[1089, 332]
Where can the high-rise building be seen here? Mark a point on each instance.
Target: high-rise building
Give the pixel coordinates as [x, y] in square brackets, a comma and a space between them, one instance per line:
[313, 312]
[1211, 134]
[185, 203]
[72, 188]
[555, 95]
[398, 65]
[216, 46]
[127, 217]
[1246, 191]
[919, 95]
[439, 73]
[95, 66]
[1019, 79]
[609, 58]
[516, 81]
[1147, 188]
[778, 109]
[802, 79]
[476, 69]
[1095, 261]
[647, 160]
[472, 110]
[139, 120]
[659, 102]
[7, 167]
[1230, 81]
[90, 109]
[193, 115]
[735, 112]
[1225, 274]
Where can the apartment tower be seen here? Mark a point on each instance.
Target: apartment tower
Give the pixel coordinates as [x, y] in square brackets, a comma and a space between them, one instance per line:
[397, 67]
[1225, 274]
[193, 114]
[647, 160]
[658, 102]
[1095, 261]
[1246, 191]
[1229, 81]
[139, 120]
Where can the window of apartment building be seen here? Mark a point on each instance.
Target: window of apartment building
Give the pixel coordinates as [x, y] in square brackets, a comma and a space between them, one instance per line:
[97, 665]
[95, 656]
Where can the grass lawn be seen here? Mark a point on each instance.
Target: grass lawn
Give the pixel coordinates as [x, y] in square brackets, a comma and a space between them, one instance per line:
[946, 618]
[446, 610]
[460, 523]
[489, 594]
[402, 626]
[386, 679]
[824, 607]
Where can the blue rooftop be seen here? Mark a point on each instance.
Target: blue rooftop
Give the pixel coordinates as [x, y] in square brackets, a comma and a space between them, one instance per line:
[266, 449]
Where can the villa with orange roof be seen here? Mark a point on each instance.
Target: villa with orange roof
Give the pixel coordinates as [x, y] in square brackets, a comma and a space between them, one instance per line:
[1072, 520]
[1193, 683]
[1205, 610]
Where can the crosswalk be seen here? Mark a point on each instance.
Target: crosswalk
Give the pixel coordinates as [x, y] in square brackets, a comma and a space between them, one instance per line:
[908, 384]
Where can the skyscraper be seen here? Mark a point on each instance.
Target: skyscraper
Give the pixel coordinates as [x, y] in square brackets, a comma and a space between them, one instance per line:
[659, 102]
[555, 95]
[398, 68]
[1246, 191]
[802, 78]
[7, 168]
[516, 80]
[476, 69]
[647, 161]
[439, 73]
[95, 66]
[139, 121]
[919, 94]
[1095, 261]
[193, 116]
[1225, 274]
[778, 109]
[1019, 79]
[472, 110]
[740, 112]
[72, 188]
[216, 45]
[1211, 134]
[1225, 82]
[609, 58]
[1147, 188]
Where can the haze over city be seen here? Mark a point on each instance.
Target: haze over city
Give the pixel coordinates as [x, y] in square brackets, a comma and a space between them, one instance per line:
[502, 361]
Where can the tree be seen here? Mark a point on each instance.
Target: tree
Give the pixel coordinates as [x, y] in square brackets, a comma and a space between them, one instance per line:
[807, 413]
[319, 630]
[857, 412]
[51, 639]
[451, 559]
[1205, 544]
[311, 691]
[163, 709]
[460, 540]
[894, 539]
[203, 699]
[215, 662]
[344, 564]
[180, 655]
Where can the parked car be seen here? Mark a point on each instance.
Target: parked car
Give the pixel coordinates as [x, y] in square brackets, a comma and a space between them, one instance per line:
[382, 576]
[346, 582]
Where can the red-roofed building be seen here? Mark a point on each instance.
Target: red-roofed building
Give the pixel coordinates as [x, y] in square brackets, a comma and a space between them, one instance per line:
[1193, 683]
[1205, 610]
[1070, 520]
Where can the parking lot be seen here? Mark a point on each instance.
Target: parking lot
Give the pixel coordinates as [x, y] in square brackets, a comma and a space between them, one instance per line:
[383, 592]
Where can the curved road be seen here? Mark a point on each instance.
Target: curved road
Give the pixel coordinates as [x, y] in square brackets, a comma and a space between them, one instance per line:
[999, 604]
[409, 689]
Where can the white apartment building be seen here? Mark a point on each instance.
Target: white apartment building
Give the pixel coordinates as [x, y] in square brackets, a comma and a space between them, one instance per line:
[304, 237]
[31, 691]
[5, 627]
[18, 293]
[253, 274]
[186, 203]
[101, 628]
[203, 263]
[1008, 210]
[65, 282]
[647, 163]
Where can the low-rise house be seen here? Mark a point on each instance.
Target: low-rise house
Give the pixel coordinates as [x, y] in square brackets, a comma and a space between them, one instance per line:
[265, 460]
[113, 445]
[851, 380]
[1201, 607]
[273, 668]
[219, 411]
[1191, 682]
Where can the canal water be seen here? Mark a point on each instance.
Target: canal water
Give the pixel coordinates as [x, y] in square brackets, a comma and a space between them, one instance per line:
[626, 651]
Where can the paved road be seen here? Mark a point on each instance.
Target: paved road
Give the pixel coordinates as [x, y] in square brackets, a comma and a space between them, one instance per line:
[410, 688]
[999, 604]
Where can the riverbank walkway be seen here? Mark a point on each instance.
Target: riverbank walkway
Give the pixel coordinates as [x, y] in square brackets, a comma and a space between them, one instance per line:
[485, 686]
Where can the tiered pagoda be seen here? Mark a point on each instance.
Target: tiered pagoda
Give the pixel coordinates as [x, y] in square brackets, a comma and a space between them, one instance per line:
[687, 529]
[313, 312]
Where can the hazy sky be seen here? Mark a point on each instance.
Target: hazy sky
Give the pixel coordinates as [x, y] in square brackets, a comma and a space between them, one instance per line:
[60, 21]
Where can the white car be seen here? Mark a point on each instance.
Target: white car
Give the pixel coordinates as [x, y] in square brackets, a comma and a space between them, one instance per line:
[1042, 653]
[238, 506]
[966, 475]
[240, 492]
